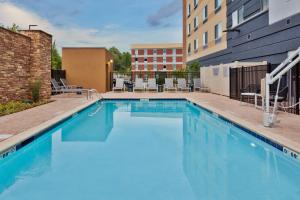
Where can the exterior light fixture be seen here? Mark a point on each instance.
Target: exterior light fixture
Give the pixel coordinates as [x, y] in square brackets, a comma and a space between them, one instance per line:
[31, 25]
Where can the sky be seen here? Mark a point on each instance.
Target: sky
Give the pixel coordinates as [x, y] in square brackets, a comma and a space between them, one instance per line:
[98, 23]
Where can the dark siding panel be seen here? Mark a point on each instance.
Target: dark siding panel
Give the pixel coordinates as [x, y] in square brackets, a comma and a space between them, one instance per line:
[251, 8]
[266, 42]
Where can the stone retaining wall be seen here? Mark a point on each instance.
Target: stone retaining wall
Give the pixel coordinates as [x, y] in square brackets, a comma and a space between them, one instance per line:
[24, 57]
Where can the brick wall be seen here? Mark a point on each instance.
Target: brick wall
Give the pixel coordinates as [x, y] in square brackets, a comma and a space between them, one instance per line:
[24, 57]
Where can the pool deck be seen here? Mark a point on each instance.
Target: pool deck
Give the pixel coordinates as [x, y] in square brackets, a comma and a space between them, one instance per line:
[20, 126]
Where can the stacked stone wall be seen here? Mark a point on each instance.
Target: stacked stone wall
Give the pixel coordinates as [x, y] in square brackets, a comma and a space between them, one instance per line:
[24, 57]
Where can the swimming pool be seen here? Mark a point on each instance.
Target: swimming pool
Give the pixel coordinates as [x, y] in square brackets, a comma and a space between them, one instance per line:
[148, 150]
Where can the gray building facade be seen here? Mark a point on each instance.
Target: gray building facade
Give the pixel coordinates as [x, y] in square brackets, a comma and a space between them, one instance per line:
[257, 33]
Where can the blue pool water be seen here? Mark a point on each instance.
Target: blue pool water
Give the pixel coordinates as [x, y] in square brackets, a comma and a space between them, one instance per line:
[157, 150]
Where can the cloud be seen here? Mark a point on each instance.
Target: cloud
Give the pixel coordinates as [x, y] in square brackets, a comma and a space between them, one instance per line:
[166, 11]
[69, 35]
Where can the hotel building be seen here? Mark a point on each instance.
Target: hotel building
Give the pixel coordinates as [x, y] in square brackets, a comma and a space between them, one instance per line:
[203, 25]
[157, 57]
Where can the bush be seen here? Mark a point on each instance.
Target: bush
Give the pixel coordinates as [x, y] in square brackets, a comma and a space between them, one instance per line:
[35, 90]
[17, 106]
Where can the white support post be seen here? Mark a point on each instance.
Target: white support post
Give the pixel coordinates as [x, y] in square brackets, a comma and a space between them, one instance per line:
[266, 118]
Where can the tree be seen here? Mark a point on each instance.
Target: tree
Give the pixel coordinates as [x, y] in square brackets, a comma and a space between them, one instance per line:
[122, 61]
[194, 67]
[56, 58]
[14, 27]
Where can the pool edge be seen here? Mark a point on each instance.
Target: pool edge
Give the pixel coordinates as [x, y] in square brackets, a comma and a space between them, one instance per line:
[22, 139]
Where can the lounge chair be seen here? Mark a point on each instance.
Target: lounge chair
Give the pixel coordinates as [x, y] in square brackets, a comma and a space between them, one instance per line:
[66, 84]
[151, 85]
[139, 85]
[169, 85]
[181, 85]
[119, 84]
[197, 84]
[56, 88]
[252, 90]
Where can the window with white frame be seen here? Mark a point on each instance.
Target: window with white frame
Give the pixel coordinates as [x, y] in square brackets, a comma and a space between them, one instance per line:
[264, 5]
[205, 39]
[238, 16]
[189, 10]
[196, 22]
[196, 3]
[189, 29]
[218, 31]
[196, 44]
[204, 13]
[217, 4]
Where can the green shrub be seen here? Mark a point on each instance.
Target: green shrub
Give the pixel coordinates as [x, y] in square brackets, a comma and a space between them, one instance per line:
[35, 90]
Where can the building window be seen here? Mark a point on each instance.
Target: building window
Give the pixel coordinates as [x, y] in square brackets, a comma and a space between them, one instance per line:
[189, 10]
[136, 59]
[174, 66]
[196, 23]
[189, 29]
[218, 33]
[264, 5]
[204, 14]
[155, 66]
[196, 3]
[154, 51]
[165, 51]
[217, 5]
[145, 52]
[189, 49]
[196, 42]
[174, 52]
[136, 52]
[238, 17]
[205, 39]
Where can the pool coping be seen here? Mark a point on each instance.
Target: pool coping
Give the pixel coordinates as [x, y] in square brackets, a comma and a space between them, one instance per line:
[16, 142]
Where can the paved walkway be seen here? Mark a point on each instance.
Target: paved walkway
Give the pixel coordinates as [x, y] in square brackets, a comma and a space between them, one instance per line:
[18, 122]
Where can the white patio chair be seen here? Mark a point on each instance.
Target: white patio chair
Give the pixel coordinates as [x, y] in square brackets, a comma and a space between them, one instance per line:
[119, 85]
[181, 85]
[197, 84]
[169, 85]
[139, 85]
[151, 85]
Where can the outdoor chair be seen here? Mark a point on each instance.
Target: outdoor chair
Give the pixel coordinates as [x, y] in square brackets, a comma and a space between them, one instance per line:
[56, 88]
[197, 84]
[169, 85]
[151, 85]
[181, 85]
[66, 84]
[119, 85]
[252, 90]
[139, 85]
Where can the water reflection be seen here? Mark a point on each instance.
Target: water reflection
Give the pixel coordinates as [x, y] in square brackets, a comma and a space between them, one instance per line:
[222, 162]
[31, 161]
[94, 126]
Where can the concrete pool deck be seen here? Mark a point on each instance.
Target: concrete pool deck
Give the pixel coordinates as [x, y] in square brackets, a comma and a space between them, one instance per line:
[19, 126]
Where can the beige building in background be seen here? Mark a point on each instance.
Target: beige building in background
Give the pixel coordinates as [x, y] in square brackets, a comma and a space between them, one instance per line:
[203, 24]
[88, 67]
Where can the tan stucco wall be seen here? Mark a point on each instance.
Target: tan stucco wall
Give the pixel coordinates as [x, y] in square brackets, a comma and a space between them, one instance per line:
[88, 67]
[218, 84]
